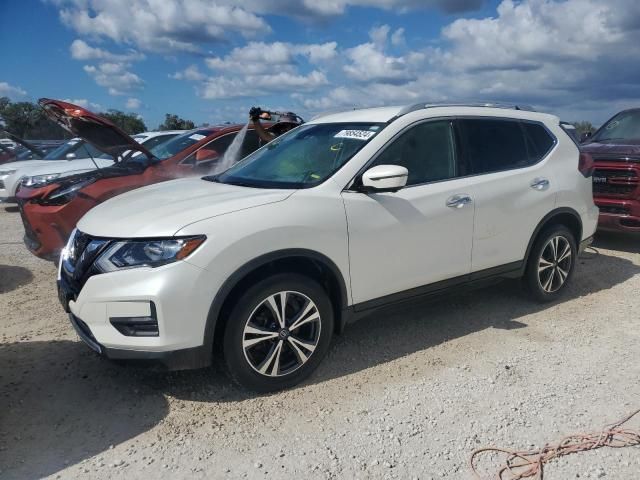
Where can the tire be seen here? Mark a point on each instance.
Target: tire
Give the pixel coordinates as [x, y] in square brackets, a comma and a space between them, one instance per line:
[262, 355]
[548, 273]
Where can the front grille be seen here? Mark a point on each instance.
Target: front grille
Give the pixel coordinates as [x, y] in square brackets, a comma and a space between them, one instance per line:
[78, 267]
[615, 182]
[2, 187]
[604, 189]
[614, 210]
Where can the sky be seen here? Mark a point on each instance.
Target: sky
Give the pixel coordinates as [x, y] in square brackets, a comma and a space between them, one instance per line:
[211, 60]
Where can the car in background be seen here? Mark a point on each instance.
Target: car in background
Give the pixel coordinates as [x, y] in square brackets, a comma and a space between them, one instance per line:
[615, 148]
[25, 150]
[81, 156]
[50, 211]
[60, 159]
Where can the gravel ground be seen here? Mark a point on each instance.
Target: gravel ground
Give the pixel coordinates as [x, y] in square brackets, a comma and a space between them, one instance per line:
[408, 393]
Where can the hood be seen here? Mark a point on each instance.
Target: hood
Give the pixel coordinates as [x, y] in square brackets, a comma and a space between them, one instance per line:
[25, 144]
[162, 209]
[67, 168]
[97, 131]
[22, 164]
[622, 149]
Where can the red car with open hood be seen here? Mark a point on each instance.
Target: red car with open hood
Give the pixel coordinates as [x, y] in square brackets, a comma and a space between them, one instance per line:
[50, 212]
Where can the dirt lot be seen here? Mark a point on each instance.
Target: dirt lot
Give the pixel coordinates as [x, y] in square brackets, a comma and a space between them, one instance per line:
[407, 393]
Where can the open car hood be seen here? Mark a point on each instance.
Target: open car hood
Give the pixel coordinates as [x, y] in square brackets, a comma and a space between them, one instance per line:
[97, 131]
[25, 144]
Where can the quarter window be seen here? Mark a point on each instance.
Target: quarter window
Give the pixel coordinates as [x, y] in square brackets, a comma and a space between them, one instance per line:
[539, 141]
[427, 151]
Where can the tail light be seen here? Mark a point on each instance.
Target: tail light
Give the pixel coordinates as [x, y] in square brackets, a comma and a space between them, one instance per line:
[585, 165]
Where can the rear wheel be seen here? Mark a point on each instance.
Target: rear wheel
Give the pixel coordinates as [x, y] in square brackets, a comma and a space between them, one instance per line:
[551, 263]
[278, 332]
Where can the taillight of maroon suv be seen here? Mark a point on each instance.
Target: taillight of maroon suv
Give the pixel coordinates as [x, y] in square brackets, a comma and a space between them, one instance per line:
[615, 149]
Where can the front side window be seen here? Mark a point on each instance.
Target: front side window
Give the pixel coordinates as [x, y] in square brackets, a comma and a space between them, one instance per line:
[301, 158]
[213, 150]
[86, 150]
[493, 145]
[179, 143]
[427, 151]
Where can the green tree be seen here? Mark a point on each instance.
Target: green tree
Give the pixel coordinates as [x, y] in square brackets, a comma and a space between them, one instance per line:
[174, 122]
[584, 127]
[129, 122]
[27, 120]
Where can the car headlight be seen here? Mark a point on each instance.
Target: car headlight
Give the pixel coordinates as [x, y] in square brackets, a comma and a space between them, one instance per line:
[6, 173]
[65, 193]
[38, 180]
[146, 253]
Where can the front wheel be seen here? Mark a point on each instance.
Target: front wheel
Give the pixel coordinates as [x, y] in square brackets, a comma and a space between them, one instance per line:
[551, 263]
[278, 332]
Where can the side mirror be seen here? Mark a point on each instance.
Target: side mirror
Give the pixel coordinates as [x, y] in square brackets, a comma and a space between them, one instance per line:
[384, 178]
[70, 156]
[205, 154]
[585, 136]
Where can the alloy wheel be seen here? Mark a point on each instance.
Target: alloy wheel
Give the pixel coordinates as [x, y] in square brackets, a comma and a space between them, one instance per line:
[554, 264]
[281, 333]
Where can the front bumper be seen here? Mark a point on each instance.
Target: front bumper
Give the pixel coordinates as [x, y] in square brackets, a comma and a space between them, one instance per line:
[619, 215]
[181, 295]
[187, 358]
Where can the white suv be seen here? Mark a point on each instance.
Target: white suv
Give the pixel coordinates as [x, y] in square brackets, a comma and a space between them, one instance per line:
[349, 212]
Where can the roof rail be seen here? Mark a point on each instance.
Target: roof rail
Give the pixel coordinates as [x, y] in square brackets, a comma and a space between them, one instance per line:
[420, 106]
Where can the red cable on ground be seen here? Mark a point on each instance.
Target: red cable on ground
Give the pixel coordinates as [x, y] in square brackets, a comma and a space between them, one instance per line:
[529, 464]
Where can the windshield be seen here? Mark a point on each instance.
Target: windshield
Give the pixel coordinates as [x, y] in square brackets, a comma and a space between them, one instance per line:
[302, 158]
[61, 152]
[179, 143]
[624, 126]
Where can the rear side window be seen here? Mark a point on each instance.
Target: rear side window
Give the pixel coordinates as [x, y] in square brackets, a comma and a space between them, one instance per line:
[493, 145]
[426, 150]
[539, 141]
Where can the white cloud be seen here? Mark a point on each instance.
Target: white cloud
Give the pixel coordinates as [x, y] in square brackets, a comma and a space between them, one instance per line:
[253, 85]
[7, 90]
[160, 25]
[191, 73]
[397, 38]
[115, 77]
[378, 35]
[80, 50]
[84, 103]
[260, 57]
[368, 63]
[318, 9]
[576, 58]
[133, 103]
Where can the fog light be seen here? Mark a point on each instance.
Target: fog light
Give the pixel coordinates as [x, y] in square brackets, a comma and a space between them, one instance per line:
[137, 326]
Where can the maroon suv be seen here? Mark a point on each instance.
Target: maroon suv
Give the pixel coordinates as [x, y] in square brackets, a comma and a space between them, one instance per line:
[615, 148]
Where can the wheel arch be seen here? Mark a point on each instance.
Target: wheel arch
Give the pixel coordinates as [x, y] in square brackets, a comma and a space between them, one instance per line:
[560, 216]
[307, 262]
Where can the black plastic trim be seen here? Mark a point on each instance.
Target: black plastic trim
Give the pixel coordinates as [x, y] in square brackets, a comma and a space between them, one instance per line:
[509, 270]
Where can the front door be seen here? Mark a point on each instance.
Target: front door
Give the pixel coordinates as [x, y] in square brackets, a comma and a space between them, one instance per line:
[419, 235]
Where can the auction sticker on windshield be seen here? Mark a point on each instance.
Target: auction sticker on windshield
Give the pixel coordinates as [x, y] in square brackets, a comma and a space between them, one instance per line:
[355, 134]
[196, 136]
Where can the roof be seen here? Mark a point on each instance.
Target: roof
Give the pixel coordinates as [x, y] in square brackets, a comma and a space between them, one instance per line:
[386, 114]
[155, 133]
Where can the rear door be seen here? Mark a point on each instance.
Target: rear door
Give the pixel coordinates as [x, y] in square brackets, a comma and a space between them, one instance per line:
[513, 186]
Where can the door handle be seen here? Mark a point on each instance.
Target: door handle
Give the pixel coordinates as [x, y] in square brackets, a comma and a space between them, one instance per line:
[540, 184]
[459, 201]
